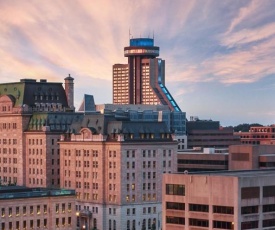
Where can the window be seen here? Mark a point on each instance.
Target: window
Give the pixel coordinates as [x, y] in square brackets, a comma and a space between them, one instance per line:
[175, 206]
[249, 224]
[57, 208]
[10, 212]
[268, 191]
[269, 208]
[38, 223]
[268, 223]
[38, 209]
[250, 192]
[223, 224]
[57, 222]
[31, 210]
[223, 210]
[249, 210]
[45, 208]
[175, 189]
[175, 220]
[198, 208]
[45, 223]
[198, 222]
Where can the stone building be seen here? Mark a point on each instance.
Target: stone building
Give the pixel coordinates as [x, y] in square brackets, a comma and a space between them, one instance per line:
[33, 115]
[34, 208]
[116, 167]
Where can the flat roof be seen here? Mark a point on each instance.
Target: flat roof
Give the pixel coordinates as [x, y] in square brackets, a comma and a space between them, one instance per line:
[16, 192]
[236, 173]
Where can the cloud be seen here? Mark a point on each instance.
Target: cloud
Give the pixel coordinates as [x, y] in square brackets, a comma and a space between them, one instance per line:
[246, 36]
[239, 66]
[244, 13]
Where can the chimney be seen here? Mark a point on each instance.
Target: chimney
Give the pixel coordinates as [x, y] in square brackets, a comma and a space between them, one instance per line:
[69, 89]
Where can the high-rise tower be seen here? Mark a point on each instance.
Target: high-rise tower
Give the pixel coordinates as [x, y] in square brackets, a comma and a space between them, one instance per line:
[142, 80]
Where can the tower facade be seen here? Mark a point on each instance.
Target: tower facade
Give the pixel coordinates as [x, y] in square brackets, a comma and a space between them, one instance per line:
[142, 80]
[69, 89]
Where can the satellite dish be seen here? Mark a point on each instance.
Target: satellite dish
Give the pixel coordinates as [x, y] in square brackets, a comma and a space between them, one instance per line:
[185, 172]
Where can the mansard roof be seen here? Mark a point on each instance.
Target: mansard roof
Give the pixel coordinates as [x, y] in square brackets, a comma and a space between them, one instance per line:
[29, 91]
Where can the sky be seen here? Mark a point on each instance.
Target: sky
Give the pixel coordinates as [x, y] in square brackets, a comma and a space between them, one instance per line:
[219, 55]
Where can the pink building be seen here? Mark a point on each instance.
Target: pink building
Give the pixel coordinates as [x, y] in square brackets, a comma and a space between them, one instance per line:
[116, 168]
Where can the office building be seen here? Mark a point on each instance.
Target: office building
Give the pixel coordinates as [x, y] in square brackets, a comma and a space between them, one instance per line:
[142, 80]
[209, 134]
[264, 135]
[219, 200]
[208, 159]
[36, 208]
[116, 166]
[248, 157]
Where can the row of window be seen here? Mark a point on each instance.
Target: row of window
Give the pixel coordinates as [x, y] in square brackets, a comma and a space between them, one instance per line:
[8, 150]
[78, 153]
[254, 192]
[8, 141]
[220, 209]
[150, 223]
[7, 125]
[6, 160]
[30, 210]
[8, 180]
[203, 162]
[8, 170]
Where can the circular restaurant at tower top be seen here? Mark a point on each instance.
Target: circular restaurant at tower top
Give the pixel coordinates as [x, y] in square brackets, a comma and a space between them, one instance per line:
[141, 47]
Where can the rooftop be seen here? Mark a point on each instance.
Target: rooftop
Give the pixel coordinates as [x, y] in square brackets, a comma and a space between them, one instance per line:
[238, 173]
[16, 192]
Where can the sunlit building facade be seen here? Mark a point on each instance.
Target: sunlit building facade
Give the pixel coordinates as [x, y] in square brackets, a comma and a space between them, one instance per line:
[219, 200]
[33, 115]
[116, 167]
[142, 80]
[36, 208]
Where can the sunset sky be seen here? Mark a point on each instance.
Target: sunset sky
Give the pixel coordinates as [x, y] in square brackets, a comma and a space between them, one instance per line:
[220, 55]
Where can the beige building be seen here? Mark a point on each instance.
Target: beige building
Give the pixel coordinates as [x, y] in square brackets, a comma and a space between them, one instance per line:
[26, 208]
[247, 157]
[33, 115]
[116, 168]
[219, 200]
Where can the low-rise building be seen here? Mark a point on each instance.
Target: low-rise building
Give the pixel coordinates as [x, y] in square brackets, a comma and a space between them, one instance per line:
[208, 159]
[258, 135]
[247, 157]
[209, 134]
[219, 200]
[37, 208]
